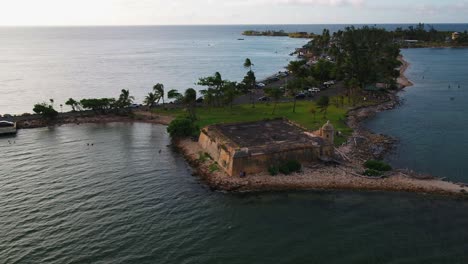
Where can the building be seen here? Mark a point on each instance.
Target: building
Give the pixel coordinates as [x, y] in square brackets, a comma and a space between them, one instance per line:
[248, 148]
[455, 35]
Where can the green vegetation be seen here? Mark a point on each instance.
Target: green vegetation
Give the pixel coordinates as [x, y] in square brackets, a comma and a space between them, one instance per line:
[158, 90]
[47, 111]
[279, 33]
[272, 33]
[323, 103]
[203, 156]
[150, 99]
[245, 113]
[125, 99]
[377, 165]
[75, 105]
[98, 104]
[428, 36]
[182, 127]
[275, 93]
[213, 167]
[273, 170]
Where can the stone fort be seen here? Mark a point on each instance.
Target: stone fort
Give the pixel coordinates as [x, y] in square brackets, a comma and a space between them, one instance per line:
[249, 148]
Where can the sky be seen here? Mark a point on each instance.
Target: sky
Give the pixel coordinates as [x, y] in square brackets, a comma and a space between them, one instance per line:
[191, 12]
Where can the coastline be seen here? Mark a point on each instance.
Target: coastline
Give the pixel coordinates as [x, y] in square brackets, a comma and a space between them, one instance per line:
[361, 146]
[77, 118]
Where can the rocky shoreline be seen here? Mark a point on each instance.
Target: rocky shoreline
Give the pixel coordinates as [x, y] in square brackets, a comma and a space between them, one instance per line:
[361, 146]
[77, 118]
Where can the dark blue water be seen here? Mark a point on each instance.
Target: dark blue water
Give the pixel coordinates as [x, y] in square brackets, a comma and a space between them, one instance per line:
[121, 201]
[39, 63]
[432, 122]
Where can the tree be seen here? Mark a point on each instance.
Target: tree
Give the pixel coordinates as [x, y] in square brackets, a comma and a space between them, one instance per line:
[95, 104]
[182, 127]
[174, 94]
[230, 91]
[214, 86]
[248, 64]
[313, 111]
[293, 88]
[73, 104]
[47, 111]
[150, 99]
[300, 72]
[323, 103]
[125, 100]
[352, 85]
[249, 85]
[158, 90]
[275, 93]
[190, 98]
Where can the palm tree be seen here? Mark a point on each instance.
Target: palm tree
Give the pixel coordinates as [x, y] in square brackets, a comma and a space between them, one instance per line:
[150, 99]
[174, 94]
[125, 100]
[73, 104]
[275, 93]
[248, 64]
[190, 97]
[159, 91]
[300, 71]
[249, 82]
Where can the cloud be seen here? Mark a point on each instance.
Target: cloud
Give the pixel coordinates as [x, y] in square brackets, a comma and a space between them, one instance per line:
[322, 2]
[331, 3]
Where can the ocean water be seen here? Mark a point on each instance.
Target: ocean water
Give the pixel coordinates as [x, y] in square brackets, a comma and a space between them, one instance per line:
[432, 122]
[37, 64]
[120, 200]
[104, 193]
[40, 63]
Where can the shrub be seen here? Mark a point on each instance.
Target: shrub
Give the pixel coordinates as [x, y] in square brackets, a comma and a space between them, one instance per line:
[213, 167]
[182, 127]
[273, 170]
[372, 173]
[45, 110]
[289, 167]
[203, 156]
[377, 165]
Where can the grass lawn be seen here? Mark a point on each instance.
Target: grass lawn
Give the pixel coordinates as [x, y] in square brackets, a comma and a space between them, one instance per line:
[244, 113]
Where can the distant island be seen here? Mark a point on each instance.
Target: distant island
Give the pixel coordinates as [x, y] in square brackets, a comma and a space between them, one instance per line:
[280, 33]
[420, 36]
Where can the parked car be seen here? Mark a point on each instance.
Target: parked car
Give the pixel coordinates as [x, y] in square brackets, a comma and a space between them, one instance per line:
[264, 99]
[314, 90]
[300, 96]
[260, 85]
[272, 79]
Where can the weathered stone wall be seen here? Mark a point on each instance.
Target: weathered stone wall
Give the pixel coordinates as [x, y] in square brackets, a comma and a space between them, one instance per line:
[257, 163]
[220, 153]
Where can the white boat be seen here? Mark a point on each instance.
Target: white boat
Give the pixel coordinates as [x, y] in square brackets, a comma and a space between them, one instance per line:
[7, 127]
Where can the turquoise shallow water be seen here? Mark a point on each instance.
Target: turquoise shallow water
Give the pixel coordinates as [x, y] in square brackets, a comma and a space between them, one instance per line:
[431, 123]
[121, 201]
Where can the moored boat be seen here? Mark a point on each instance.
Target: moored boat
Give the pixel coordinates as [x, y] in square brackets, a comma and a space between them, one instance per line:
[7, 127]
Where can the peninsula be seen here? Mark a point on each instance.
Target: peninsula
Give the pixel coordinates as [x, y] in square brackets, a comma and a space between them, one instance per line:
[299, 129]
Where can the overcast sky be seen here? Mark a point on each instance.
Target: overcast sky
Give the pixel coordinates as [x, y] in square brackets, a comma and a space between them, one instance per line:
[188, 12]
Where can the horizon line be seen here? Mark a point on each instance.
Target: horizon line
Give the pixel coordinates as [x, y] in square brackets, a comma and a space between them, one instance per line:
[240, 24]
